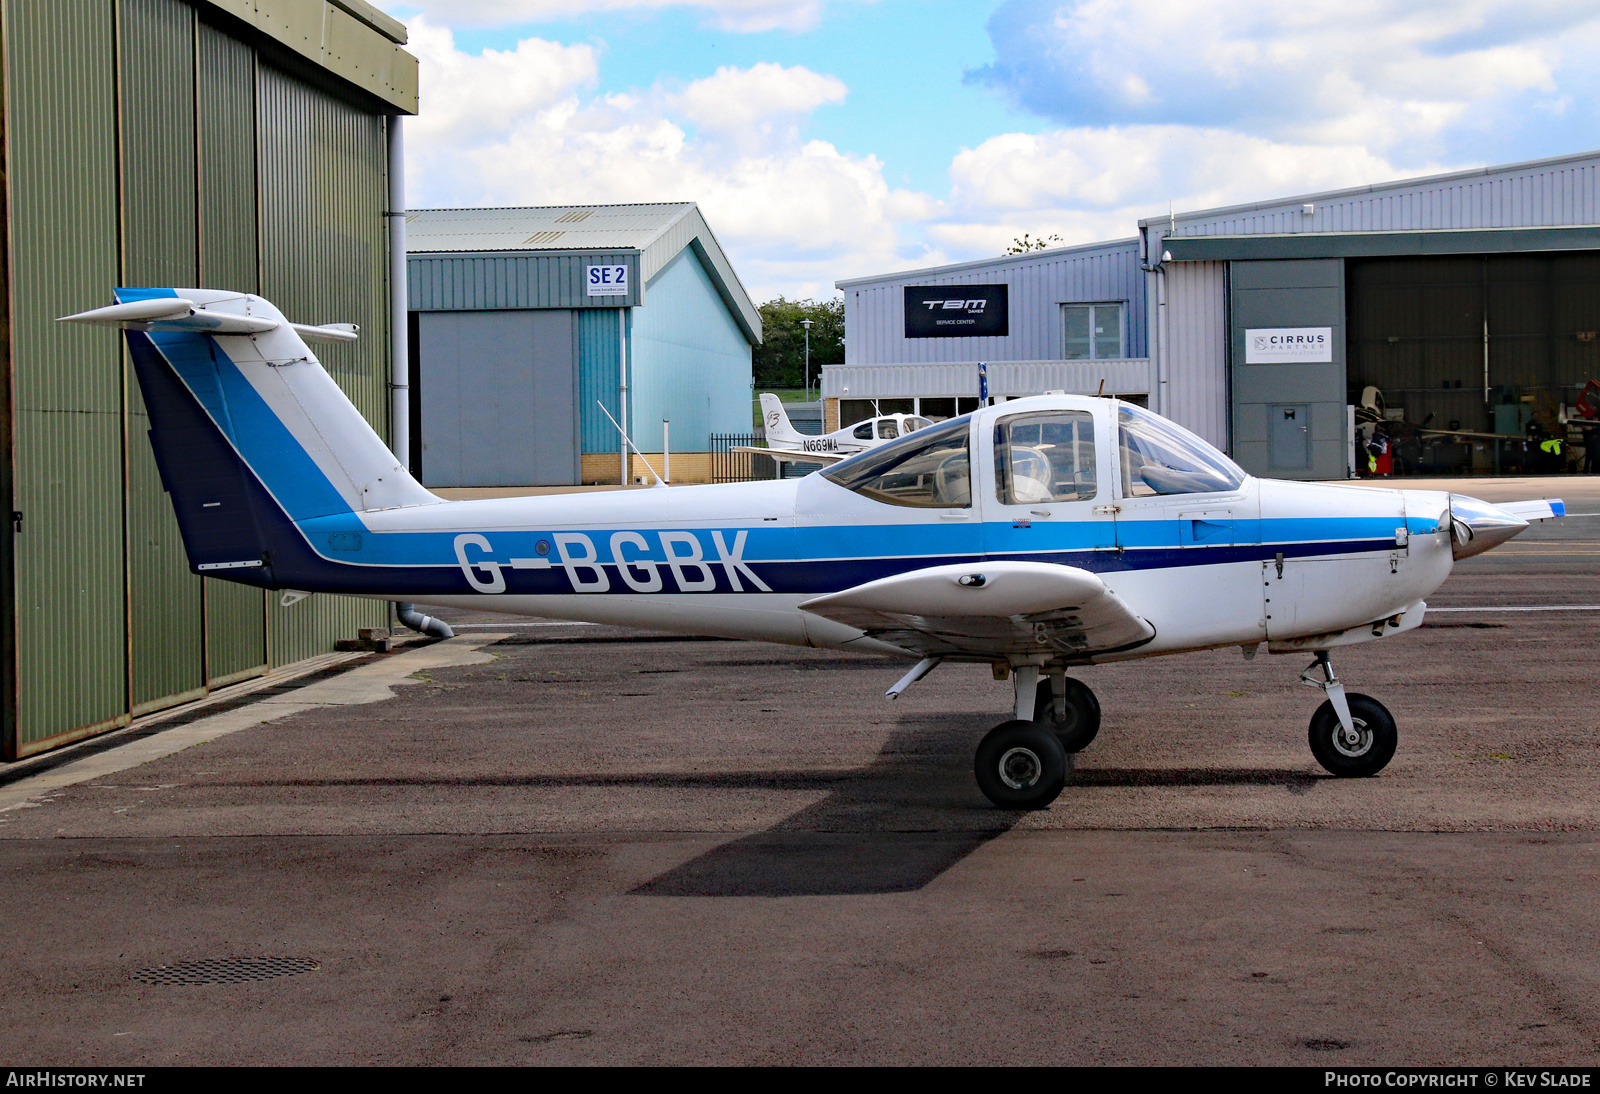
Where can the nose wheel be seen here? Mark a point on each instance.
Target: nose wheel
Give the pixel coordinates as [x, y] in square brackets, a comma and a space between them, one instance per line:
[1351, 735]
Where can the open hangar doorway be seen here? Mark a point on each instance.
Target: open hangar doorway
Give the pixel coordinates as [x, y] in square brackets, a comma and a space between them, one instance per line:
[1501, 345]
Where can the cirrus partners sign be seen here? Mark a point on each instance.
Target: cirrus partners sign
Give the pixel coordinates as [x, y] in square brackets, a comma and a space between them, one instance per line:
[1287, 345]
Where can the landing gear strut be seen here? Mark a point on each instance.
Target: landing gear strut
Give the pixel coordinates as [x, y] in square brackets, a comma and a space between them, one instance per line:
[1021, 764]
[1351, 735]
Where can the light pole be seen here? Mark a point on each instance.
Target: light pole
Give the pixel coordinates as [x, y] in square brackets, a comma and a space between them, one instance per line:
[806, 323]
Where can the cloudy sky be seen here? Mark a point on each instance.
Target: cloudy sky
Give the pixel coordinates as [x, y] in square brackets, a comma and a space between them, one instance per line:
[827, 139]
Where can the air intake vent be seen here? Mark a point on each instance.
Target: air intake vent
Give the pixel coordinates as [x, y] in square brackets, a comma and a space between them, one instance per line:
[574, 216]
[544, 237]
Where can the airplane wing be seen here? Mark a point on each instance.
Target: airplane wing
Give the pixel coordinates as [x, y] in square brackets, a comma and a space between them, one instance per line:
[789, 455]
[1469, 433]
[1539, 509]
[989, 609]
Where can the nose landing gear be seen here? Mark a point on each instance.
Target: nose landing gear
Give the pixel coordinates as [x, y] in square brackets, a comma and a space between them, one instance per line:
[1351, 735]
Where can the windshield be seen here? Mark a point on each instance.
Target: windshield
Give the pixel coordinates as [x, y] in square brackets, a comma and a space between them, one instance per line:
[926, 469]
[1161, 457]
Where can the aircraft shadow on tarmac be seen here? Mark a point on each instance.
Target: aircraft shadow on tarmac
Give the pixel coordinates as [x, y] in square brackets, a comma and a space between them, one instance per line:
[909, 816]
[893, 827]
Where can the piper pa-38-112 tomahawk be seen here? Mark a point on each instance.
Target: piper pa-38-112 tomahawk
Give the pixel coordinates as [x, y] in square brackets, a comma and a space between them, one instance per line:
[786, 444]
[1040, 535]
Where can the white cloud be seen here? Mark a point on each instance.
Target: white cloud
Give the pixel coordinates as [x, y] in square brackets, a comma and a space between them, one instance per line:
[1383, 74]
[745, 16]
[1086, 184]
[791, 212]
[757, 98]
[1154, 101]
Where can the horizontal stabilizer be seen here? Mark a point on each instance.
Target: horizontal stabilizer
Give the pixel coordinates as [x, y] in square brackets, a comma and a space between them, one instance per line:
[180, 314]
[328, 332]
[990, 609]
[173, 314]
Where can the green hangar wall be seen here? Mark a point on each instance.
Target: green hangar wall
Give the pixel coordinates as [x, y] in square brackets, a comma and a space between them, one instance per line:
[235, 144]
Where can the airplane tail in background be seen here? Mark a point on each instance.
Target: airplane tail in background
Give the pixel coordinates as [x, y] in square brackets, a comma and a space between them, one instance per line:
[776, 420]
[251, 434]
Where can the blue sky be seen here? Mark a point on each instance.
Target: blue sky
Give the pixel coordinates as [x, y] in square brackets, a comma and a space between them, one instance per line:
[903, 61]
[834, 138]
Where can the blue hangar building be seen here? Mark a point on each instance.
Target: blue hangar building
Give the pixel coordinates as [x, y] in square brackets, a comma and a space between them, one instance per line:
[530, 325]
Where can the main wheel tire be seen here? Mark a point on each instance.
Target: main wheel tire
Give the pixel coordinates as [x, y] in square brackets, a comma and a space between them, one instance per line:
[1374, 743]
[1021, 765]
[1080, 713]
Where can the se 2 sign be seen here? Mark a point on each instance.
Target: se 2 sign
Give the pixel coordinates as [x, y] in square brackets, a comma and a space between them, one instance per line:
[606, 280]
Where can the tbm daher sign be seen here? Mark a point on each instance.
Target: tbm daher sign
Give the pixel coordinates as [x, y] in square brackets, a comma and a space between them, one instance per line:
[956, 311]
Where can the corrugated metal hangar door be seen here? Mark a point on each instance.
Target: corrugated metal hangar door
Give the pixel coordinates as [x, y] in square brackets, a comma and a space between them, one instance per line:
[498, 393]
[1483, 343]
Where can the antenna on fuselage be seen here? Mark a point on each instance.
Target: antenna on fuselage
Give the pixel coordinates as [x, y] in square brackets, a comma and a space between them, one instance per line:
[1101, 394]
[629, 442]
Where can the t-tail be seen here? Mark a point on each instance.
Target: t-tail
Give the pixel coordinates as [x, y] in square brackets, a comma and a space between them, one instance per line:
[780, 432]
[255, 442]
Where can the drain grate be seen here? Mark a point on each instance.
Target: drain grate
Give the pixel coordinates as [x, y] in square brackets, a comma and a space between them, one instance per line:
[226, 970]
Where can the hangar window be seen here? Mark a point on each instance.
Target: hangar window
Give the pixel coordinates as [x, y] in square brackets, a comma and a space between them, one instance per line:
[1161, 457]
[1092, 332]
[1045, 457]
[926, 469]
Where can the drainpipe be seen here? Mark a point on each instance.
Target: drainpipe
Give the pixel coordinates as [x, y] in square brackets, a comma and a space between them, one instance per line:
[1156, 316]
[622, 389]
[400, 349]
[423, 624]
[399, 345]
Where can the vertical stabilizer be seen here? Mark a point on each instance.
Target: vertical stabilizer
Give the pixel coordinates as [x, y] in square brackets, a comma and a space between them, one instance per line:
[780, 433]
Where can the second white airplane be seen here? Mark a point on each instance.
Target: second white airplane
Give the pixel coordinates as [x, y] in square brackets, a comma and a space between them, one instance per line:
[786, 444]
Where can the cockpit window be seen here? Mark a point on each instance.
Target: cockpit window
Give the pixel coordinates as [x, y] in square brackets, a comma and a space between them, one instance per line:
[1161, 457]
[927, 469]
[1045, 457]
[887, 430]
[917, 423]
[863, 431]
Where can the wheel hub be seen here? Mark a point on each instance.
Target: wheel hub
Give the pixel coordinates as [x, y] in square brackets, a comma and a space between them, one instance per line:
[1020, 768]
[1352, 742]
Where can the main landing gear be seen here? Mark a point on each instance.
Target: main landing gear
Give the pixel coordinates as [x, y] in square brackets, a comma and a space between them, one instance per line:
[1351, 735]
[1024, 763]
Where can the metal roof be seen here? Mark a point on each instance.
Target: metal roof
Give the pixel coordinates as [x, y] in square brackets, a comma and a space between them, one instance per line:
[999, 262]
[658, 231]
[1457, 199]
[542, 228]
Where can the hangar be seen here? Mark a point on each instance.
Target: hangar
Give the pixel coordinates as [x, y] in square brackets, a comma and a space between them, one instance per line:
[567, 313]
[1471, 300]
[238, 144]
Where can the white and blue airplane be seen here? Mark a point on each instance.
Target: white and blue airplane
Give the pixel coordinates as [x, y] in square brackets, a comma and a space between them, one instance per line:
[1040, 536]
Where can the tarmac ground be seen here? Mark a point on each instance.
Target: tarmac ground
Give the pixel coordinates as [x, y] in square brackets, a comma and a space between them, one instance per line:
[580, 844]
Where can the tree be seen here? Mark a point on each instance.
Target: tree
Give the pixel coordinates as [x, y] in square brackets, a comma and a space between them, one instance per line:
[780, 359]
[1024, 243]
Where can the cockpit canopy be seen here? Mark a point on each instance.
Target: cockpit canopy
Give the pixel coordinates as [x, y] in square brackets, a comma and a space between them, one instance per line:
[888, 429]
[1040, 456]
